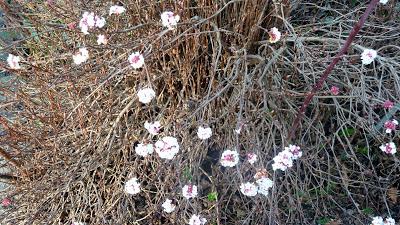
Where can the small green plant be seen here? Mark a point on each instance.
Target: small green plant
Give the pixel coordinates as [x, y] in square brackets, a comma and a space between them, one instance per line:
[347, 132]
[212, 196]
[187, 174]
[323, 220]
[368, 211]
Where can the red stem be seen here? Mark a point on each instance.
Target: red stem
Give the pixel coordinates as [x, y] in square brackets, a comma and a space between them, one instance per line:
[329, 69]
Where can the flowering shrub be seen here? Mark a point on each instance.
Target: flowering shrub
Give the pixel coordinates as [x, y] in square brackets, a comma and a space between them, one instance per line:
[388, 148]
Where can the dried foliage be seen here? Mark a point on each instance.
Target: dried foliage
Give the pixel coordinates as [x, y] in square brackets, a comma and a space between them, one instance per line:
[70, 140]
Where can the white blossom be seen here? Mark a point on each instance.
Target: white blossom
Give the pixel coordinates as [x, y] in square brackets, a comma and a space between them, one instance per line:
[116, 9]
[145, 95]
[189, 191]
[167, 147]
[390, 221]
[89, 20]
[136, 60]
[144, 149]
[388, 148]
[101, 39]
[295, 150]
[132, 186]
[229, 158]
[249, 189]
[283, 161]
[274, 35]
[99, 21]
[368, 56]
[264, 184]
[383, 1]
[252, 158]
[169, 20]
[153, 128]
[197, 220]
[78, 223]
[81, 56]
[204, 133]
[13, 62]
[168, 206]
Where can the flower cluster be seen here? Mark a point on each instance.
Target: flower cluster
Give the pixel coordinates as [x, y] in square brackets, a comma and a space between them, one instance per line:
[204, 133]
[145, 95]
[274, 35]
[136, 60]
[197, 220]
[13, 62]
[334, 90]
[168, 206]
[81, 56]
[78, 223]
[388, 148]
[252, 158]
[144, 149]
[153, 128]
[261, 186]
[390, 126]
[189, 191]
[132, 186]
[388, 104]
[89, 20]
[169, 20]
[116, 9]
[379, 221]
[229, 158]
[285, 158]
[167, 147]
[368, 56]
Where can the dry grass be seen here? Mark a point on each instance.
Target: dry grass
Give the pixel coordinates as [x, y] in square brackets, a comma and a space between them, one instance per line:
[75, 127]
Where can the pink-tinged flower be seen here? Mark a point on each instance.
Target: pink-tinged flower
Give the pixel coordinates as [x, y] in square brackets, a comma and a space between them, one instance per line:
[334, 90]
[116, 9]
[274, 35]
[204, 133]
[295, 150]
[264, 184]
[390, 221]
[101, 39]
[189, 191]
[145, 95]
[87, 21]
[78, 223]
[167, 147]
[136, 60]
[13, 62]
[388, 104]
[197, 220]
[383, 1]
[251, 157]
[81, 56]
[229, 158]
[71, 25]
[283, 161]
[390, 126]
[368, 56]
[168, 206]
[248, 189]
[6, 202]
[388, 148]
[169, 20]
[144, 149]
[99, 21]
[132, 186]
[153, 128]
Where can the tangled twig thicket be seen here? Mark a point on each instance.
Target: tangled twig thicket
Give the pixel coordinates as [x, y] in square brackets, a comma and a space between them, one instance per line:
[70, 140]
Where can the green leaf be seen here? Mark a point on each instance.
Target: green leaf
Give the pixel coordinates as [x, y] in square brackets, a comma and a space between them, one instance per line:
[368, 211]
[212, 196]
[187, 174]
[362, 150]
[347, 132]
[323, 220]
